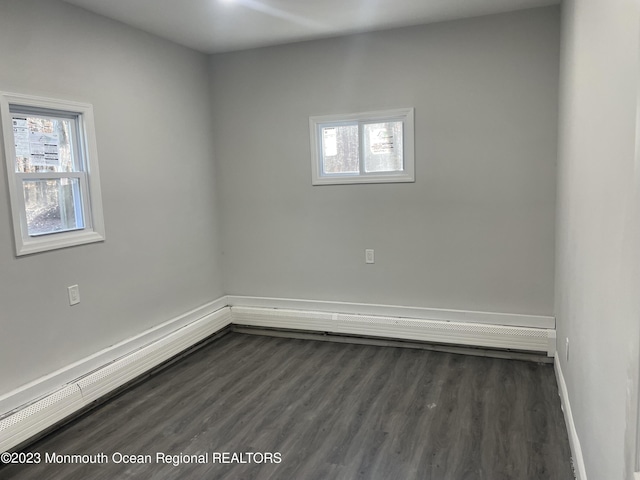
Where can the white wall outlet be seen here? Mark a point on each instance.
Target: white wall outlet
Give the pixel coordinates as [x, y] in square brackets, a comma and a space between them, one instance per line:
[74, 294]
[566, 349]
[369, 256]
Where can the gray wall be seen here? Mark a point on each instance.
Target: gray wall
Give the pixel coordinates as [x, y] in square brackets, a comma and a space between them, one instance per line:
[598, 229]
[475, 231]
[153, 123]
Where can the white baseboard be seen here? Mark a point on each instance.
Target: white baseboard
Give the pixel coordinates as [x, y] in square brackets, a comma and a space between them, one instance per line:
[53, 381]
[44, 402]
[31, 418]
[421, 313]
[453, 333]
[39, 415]
[574, 441]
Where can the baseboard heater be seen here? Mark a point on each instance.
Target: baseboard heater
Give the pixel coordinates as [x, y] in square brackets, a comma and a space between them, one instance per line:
[27, 421]
[453, 333]
[24, 422]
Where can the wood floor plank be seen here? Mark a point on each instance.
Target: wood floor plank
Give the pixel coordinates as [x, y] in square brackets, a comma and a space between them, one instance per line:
[331, 410]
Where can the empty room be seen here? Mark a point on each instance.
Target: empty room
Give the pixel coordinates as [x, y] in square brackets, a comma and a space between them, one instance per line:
[356, 239]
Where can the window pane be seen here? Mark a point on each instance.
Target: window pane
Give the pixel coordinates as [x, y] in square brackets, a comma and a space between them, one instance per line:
[383, 147]
[43, 144]
[52, 205]
[340, 149]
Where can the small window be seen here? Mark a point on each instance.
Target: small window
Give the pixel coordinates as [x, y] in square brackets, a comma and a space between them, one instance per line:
[371, 147]
[52, 168]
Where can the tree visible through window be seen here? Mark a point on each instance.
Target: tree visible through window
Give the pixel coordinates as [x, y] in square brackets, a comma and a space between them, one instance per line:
[373, 147]
[53, 172]
[45, 145]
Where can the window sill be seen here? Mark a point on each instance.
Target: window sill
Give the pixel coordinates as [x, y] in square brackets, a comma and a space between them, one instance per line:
[58, 240]
[343, 179]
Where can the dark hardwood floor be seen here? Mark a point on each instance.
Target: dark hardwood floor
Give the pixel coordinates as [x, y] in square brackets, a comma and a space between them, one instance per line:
[330, 410]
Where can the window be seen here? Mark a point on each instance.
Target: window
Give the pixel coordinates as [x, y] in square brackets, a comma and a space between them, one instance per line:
[371, 147]
[52, 172]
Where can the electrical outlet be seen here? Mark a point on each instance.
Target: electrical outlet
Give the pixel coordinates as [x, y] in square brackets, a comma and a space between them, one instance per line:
[369, 256]
[566, 349]
[74, 294]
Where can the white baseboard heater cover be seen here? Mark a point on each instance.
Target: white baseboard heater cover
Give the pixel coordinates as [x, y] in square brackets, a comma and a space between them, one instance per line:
[39, 415]
[119, 372]
[27, 421]
[456, 333]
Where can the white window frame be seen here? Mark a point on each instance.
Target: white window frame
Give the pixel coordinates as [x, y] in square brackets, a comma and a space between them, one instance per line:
[316, 123]
[88, 176]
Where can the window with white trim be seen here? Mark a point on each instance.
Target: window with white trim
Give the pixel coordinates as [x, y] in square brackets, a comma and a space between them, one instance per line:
[52, 170]
[368, 147]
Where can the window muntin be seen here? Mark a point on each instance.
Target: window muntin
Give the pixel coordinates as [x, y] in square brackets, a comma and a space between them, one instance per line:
[53, 174]
[371, 147]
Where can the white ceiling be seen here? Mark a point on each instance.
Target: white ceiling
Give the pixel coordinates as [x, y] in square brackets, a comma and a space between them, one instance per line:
[213, 26]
